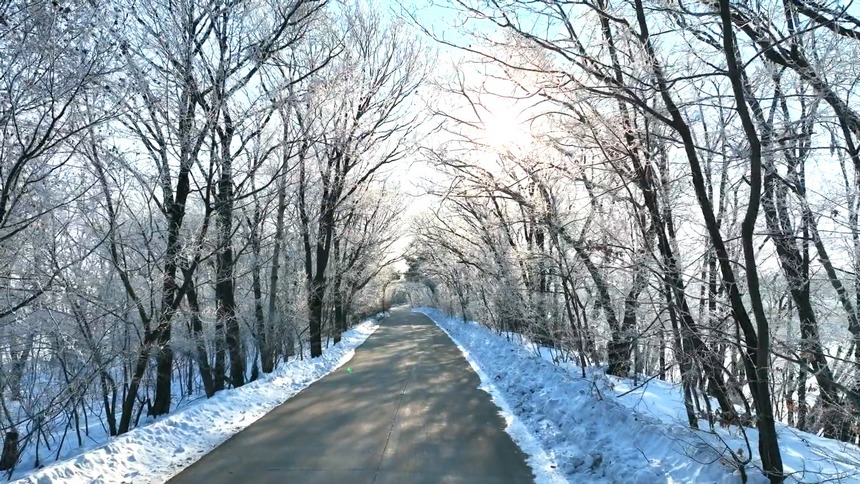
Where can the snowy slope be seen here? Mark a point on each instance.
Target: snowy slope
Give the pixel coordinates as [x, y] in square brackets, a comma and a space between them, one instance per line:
[158, 451]
[594, 432]
[807, 457]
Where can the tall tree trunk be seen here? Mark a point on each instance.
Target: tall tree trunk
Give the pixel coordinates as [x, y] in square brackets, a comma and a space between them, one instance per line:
[170, 297]
[11, 451]
[19, 357]
[263, 335]
[225, 298]
[768, 440]
[262, 329]
[325, 236]
[317, 277]
[339, 318]
[315, 273]
[128, 402]
[164, 374]
[267, 354]
[339, 325]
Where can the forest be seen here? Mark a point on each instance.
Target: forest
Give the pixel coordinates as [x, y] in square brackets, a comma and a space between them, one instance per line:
[190, 193]
[675, 196]
[193, 192]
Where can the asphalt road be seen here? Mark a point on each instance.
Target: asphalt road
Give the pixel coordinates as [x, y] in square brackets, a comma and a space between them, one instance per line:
[410, 412]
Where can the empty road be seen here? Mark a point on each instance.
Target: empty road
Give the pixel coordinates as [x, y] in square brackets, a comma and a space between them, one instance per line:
[409, 412]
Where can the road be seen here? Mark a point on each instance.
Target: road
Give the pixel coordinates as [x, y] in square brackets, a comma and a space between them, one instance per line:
[410, 411]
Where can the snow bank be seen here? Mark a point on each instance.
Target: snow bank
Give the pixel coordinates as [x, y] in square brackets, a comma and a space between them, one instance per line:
[806, 457]
[158, 451]
[608, 429]
[587, 432]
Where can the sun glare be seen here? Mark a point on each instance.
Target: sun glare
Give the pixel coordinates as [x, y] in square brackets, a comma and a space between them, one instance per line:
[503, 130]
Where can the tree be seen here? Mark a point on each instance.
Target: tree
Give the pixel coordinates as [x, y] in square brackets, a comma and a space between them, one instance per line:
[661, 145]
[51, 59]
[355, 127]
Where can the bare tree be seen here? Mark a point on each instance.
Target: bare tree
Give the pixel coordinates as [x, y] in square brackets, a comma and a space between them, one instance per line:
[362, 127]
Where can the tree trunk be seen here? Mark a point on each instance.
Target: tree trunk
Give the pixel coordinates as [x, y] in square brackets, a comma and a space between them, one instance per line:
[133, 387]
[225, 292]
[164, 374]
[768, 440]
[262, 336]
[219, 370]
[9, 457]
[267, 354]
[315, 310]
[199, 341]
[315, 270]
[20, 357]
[791, 262]
[339, 317]
[226, 312]
[338, 325]
[262, 328]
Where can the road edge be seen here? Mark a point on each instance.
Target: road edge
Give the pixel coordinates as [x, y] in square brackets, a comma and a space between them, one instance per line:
[544, 467]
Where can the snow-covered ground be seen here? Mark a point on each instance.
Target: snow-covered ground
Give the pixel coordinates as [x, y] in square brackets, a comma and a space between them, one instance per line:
[607, 429]
[159, 450]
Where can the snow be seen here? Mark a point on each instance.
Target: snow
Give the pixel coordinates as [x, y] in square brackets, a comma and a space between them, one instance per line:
[608, 429]
[160, 450]
[544, 467]
[807, 457]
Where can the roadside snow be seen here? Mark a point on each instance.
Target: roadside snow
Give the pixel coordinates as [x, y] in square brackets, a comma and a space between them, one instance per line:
[587, 432]
[608, 429]
[545, 469]
[157, 452]
[806, 457]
